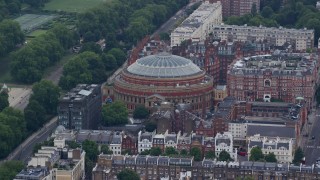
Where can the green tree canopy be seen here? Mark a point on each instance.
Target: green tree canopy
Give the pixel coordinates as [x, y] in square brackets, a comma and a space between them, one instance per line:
[224, 156]
[119, 55]
[196, 153]
[210, 155]
[155, 151]
[115, 113]
[47, 94]
[170, 151]
[127, 174]
[298, 155]
[256, 154]
[270, 157]
[183, 152]
[86, 68]
[140, 112]
[10, 36]
[105, 149]
[91, 149]
[267, 12]
[4, 100]
[35, 115]
[109, 61]
[9, 169]
[145, 152]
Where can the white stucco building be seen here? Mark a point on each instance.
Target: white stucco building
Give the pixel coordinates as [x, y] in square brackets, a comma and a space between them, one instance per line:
[302, 38]
[281, 147]
[171, 140]
[145, 141]
[224, 142]
[199, 24]
[115, 145]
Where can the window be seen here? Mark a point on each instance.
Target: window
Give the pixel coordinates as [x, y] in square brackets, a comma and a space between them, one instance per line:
[267, 83]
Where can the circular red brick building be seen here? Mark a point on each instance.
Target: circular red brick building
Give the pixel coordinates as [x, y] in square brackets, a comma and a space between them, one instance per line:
[163, 77]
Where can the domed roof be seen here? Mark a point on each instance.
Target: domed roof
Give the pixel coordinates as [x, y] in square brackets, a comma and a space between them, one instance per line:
[163, 65]
[60, 129]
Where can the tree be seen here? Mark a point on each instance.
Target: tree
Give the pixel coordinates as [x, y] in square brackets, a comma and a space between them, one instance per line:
[183, 152]
[114, 114]
[119, 55]
[140, 112]
[170, 151]
[38, 146]
[210, 155]
[145, 152]
[224, 156]
[9, 169]
[91, 149]
[128, 174]
[35, 115]
[151, 126]
[10, 36]
[196, 153]
[256, 154]
[105, 149]
[109, 62]
[155, 151]
[254, 9]
[91, 47]
[298, 155]
[73, 144]
[267, 12]
[47, 95]
[4, 100]
[270, 157]
[86, 68]
[64, 35]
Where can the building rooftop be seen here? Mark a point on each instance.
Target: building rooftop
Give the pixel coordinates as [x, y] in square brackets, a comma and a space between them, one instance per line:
[282, 64]
[32, 173]
[197, 18]
[164, 65]
[271, 131]
[79, 93]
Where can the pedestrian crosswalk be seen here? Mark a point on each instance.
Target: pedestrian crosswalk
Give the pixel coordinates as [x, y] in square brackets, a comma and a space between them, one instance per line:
[318, 147]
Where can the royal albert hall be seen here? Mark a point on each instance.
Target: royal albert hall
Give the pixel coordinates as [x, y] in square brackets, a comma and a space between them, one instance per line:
[163, 77]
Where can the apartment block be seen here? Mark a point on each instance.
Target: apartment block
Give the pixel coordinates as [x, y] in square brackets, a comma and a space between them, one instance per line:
[237, 7]
[301, 38]
[81, 107]
[199, 24]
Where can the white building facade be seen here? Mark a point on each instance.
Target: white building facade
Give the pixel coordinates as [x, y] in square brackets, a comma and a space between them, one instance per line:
[145, 141]
[302, 38]
[224, 142]
[199, 24]
[281, 147]
[115, 145]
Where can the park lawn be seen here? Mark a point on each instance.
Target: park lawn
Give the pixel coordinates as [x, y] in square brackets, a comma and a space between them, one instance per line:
[37, 32]
[72, 5]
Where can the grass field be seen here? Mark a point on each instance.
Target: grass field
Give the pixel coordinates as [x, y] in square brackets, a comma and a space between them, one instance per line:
[72, 5]
[30, 22]
[37, 32]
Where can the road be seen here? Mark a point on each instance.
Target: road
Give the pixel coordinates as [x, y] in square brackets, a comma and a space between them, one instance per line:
[312, 146]
[24, 150]
[168, 26]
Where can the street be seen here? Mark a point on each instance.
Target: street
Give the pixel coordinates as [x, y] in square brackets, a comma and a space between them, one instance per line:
[24, 150]
[312, 146]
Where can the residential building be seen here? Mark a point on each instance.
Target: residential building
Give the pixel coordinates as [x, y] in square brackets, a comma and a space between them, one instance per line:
[286, 77]
[129, 144]
[81, 107]
[184, 142]
[34, 173]
[171, 140]
[220, 92]
[301, 38]
[282, 148]
[199, 24]
[145, 140]
[224, 142]
[158, 141]
[237, 7]
[161, 167]
[116, 144]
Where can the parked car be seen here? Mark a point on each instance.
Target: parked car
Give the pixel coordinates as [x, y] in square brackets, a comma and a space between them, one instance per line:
[242, 153]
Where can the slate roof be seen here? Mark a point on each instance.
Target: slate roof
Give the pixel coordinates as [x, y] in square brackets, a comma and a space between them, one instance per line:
[271, 131]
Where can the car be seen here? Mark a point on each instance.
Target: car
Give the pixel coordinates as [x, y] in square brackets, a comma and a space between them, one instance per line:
[313, 137]
[242, 153]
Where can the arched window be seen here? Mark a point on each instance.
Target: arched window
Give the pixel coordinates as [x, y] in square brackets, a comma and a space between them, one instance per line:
[267, 83]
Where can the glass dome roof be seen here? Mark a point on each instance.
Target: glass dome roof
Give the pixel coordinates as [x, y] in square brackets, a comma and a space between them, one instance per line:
[163, 65]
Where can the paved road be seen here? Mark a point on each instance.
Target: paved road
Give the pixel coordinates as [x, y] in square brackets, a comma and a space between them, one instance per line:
[24, 151]
[312, 147]
[168, 26]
